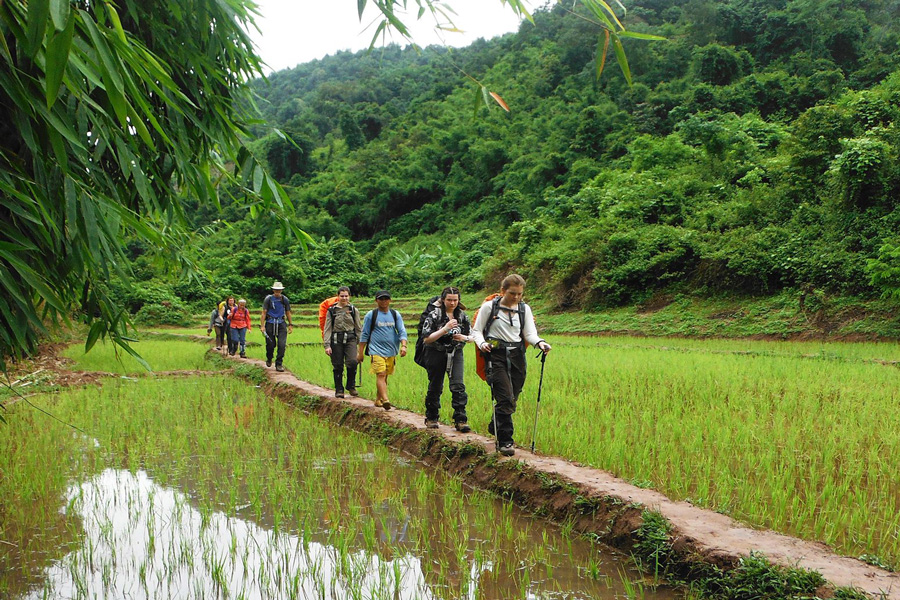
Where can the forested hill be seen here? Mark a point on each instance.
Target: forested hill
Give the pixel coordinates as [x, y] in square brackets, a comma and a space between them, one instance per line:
[756, 150]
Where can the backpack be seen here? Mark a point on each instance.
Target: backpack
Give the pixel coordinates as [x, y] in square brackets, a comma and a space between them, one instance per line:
[480, 363]
[324, 307]
[372, 324]
[424, 356]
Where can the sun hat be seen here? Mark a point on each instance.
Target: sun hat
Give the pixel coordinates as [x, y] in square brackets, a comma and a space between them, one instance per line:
[380, 294]
[277, 286]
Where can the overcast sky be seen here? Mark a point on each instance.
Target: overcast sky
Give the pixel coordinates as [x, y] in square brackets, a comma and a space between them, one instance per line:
[298, 31]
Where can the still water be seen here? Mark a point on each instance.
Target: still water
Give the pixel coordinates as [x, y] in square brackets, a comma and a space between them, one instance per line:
[141, 540]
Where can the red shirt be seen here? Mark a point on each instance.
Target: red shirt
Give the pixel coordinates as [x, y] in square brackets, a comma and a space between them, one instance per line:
[240, 318]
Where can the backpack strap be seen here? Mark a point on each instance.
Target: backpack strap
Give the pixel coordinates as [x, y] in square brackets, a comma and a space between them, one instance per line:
[495, 309]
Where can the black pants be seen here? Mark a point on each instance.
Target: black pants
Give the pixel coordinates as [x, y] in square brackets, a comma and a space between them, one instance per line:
[506, 378]
[459, 397]
[343, 352]
[276, 333]
[231, 344]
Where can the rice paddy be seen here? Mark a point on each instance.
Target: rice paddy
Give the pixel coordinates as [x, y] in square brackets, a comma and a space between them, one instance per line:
[204, 488]
[800, 437]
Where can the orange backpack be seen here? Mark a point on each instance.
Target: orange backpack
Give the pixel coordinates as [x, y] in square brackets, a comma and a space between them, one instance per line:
[480, 363]
[323, 311]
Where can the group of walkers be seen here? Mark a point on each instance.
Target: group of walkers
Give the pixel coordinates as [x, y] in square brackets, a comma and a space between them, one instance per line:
[503, 328]
[231, 322]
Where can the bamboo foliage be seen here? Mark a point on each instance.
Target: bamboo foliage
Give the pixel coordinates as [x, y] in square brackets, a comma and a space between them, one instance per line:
[111, 114]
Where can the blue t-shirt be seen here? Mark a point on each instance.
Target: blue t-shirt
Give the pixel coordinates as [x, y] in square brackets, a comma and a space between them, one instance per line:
[385, 334]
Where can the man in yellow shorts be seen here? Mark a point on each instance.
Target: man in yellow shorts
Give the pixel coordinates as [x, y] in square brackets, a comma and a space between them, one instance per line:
[383, 338]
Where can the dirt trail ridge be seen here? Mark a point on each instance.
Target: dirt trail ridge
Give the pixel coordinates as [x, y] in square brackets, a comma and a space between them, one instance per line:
[717, 538]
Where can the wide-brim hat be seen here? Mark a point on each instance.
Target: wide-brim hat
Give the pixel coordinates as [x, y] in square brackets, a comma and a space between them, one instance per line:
[277, 286]
[382, 294]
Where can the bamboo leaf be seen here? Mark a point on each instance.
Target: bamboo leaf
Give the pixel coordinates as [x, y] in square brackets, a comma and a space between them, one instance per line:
[123, 343]
[486, 97]
[477, 102]
[500, 101]
[641, 36]
[56, 61]
[601, 55]
[117, 24]
[620, 56]
[94, 334]
[361, 7]
[59, 12]
[36, 26]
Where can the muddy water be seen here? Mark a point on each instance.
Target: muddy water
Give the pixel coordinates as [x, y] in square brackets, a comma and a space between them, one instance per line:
[141, 540]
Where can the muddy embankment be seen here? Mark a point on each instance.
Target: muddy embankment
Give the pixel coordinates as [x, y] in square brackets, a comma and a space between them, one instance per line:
[598, 503]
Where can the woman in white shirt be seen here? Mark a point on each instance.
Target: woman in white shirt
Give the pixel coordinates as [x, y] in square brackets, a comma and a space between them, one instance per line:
[501, 329]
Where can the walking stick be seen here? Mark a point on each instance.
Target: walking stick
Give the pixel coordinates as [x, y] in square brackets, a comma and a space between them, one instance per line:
[543, 356]
[489, 378]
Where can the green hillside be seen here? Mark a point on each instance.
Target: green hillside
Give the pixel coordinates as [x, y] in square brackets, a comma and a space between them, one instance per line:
[756, 154]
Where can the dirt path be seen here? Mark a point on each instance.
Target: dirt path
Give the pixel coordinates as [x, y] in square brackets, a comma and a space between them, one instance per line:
[699, 533]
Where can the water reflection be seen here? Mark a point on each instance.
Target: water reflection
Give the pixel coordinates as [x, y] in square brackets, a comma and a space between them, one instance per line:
[145, 541]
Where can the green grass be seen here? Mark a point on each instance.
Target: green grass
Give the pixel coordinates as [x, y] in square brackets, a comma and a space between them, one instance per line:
[167, 355]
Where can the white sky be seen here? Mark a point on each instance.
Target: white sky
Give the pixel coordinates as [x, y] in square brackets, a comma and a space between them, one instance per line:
[298, 31]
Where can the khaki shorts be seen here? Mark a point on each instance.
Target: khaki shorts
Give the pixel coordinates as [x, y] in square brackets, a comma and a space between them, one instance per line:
[383, 364]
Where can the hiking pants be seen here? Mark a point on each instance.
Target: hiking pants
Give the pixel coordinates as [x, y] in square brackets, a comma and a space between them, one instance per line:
[343, 352]
[453, 368]
[507, 376]
[276, 333]
[220, 336]
[239, 336]
[232, 344]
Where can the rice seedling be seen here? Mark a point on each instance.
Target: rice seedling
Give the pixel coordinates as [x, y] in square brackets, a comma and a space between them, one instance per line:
[276, 504]
[801, 437]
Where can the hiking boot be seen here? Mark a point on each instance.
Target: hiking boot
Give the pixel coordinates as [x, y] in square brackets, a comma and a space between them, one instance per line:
[353, 392]
[490, 427]
[279, 368]
[431, 424]
[268, 362]
[243, 355]
[218, 348]
[339, 394]
[386, 405]
[462, 427]
[507, 449]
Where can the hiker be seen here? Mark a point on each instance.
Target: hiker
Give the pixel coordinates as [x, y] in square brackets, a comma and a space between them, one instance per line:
[340, 336]
[225, 308]
[276, 313]
[501, 330]
[216, 321]
[444, 333]
[240, 325]
[383, 337]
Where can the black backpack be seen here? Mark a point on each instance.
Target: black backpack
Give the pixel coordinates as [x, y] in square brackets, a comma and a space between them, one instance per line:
[423, 355]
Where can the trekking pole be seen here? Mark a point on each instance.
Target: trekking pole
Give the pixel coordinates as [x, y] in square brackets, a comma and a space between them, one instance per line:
[489, 374]
[543, 356]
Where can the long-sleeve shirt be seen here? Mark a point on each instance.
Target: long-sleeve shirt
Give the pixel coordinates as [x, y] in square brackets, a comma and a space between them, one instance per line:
[505, 326]
[384, 336]
[345, 320]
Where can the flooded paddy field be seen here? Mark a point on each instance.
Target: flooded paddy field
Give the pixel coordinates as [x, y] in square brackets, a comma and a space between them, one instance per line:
[204, 488]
